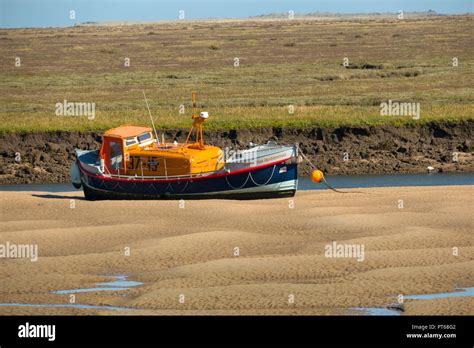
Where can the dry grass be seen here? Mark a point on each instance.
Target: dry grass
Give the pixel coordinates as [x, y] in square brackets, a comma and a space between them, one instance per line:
[282, 63]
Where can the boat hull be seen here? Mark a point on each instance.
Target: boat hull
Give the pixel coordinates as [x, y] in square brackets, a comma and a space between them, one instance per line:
[273, 180]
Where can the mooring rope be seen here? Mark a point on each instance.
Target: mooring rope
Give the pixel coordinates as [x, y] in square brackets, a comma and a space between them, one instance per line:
[323, 177]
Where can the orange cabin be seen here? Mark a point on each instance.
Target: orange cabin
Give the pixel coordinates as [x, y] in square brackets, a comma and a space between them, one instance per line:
[134, 150]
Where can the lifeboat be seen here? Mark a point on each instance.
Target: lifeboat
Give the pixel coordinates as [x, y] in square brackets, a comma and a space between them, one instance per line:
[132, 163]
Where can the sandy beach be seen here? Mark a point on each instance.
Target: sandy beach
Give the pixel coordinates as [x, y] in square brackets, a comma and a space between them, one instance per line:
[242, 257]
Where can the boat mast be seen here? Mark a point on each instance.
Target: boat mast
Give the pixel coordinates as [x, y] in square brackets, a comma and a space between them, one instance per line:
[151, 118]
[197, 123]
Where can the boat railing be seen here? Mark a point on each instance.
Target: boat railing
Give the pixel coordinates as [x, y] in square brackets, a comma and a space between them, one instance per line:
[166, 177]
[230, 161]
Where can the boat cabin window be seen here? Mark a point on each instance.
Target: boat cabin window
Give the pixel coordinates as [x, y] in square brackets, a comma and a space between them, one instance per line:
[144, 137]
[130, 141]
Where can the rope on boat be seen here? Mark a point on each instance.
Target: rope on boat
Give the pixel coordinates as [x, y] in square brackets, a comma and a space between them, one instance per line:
[270, 178]
[251, 178]
[236, 188]
[182, 189]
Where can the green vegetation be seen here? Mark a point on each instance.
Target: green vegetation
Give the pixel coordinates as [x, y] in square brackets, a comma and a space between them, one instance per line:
[281, 63]
[233, 117]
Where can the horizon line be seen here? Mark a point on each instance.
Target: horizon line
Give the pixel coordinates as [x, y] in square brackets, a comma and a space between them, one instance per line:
[298, 16]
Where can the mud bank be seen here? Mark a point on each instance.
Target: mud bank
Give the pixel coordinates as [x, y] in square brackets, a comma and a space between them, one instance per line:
[447, 147]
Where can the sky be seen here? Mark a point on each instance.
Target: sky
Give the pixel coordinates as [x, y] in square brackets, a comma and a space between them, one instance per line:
[56, 13]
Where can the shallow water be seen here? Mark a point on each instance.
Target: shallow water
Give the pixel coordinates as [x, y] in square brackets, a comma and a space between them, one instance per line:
[377, 311]
[64, 305]
[304, 183]
[464, 292]
[120, 284]
[53, 188]
[389, 180]
[74, 291]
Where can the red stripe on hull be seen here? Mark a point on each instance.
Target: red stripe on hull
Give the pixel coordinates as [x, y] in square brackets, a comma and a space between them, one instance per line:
[184, 179]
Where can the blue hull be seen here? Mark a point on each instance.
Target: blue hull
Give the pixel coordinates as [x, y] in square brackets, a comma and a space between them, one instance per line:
[275, 180]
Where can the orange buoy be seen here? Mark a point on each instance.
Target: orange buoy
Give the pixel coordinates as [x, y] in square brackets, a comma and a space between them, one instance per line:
[317, 176]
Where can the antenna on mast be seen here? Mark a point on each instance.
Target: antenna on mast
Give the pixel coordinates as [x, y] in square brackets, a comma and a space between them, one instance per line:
[151, 118]
[194, 104]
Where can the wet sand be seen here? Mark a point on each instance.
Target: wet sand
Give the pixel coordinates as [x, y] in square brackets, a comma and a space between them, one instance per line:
[281, 267]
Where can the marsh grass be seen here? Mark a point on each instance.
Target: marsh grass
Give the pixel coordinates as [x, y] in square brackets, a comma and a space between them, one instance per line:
[234, 117]
[282, 63]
